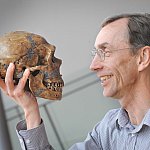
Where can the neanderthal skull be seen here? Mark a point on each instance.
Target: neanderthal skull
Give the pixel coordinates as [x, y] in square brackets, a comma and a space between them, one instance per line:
[28, 50]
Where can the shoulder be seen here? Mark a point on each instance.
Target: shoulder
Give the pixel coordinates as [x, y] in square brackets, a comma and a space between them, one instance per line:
[103, 130]
[109, 120]
[111, 114]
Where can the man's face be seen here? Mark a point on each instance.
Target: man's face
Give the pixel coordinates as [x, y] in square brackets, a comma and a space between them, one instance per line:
[118, 72]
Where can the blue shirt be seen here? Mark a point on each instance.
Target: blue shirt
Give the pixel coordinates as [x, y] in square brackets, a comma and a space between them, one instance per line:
[114, 132]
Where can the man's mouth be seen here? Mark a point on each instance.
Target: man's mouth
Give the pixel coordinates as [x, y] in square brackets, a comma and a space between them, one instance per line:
[105, 78]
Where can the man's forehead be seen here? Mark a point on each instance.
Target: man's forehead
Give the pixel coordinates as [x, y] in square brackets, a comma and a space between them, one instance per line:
[120, 25]
[116, 31]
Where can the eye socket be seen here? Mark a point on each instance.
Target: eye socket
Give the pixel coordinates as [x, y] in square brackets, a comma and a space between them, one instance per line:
[34, 73]
[53, 59]
[23, 68]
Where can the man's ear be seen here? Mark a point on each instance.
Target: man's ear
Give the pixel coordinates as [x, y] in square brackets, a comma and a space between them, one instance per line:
[143, 60]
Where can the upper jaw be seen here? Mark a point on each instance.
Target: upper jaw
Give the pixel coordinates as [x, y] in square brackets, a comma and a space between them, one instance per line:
[105, 77]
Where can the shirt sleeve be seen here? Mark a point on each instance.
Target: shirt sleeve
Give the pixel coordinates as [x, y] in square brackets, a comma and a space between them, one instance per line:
[97, 139]
[33, 139]
[36, 139]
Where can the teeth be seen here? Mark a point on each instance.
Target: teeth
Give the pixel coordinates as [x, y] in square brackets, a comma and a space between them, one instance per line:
[54, 86]
[104, 78]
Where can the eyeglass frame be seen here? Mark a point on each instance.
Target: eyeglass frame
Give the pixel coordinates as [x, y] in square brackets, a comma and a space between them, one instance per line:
[102, 54]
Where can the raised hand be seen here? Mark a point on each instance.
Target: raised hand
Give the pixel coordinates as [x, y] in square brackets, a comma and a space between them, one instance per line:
[23, 98]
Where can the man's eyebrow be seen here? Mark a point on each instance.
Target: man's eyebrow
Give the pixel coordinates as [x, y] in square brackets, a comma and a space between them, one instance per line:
[102, 45]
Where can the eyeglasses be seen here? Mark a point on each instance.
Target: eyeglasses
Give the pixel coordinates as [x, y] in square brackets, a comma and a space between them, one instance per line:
[102, 54]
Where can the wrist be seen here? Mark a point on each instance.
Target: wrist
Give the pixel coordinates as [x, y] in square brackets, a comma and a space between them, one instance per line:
[32, 117]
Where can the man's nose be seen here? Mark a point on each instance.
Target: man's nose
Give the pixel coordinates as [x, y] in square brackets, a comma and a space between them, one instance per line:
[96, 64]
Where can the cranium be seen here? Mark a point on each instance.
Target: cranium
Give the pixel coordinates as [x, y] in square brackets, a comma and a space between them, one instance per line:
[28, 50]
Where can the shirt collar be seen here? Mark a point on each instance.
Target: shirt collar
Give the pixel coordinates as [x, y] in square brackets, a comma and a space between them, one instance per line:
[122, 120]
[145, 121]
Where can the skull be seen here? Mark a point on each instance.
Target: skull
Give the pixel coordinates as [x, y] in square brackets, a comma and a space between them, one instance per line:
[28, 50]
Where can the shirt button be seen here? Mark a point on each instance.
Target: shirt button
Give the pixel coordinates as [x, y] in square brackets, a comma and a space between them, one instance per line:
[27, 141]
[133, 134]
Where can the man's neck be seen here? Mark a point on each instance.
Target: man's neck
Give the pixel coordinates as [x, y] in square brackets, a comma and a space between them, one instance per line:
[136, 106]
[137, 100]
[136, 117]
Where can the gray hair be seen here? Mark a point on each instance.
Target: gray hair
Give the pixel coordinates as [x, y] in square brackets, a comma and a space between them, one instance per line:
[138, 28]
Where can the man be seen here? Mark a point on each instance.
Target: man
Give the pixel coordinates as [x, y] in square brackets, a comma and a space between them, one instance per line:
[122, 62]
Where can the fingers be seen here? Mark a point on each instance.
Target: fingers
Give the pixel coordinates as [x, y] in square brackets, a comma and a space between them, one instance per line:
[9, 78]
[23, 80]
[9, 88]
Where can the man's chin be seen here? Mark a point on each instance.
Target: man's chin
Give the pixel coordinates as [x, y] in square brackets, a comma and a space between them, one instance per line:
[108, 94]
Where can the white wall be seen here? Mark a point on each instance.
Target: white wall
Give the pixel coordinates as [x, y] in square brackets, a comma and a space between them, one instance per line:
[72, 26]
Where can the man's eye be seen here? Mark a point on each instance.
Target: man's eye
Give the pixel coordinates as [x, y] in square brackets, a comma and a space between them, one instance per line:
[107, 53]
